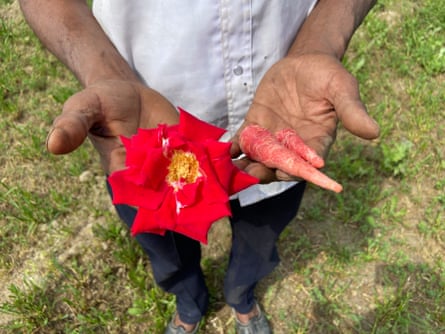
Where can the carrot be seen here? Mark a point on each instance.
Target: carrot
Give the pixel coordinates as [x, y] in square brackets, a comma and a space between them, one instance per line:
[290, 139]
[261, 145]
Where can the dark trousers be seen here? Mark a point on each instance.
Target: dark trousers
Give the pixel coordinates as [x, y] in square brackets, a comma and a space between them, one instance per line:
[175, 259]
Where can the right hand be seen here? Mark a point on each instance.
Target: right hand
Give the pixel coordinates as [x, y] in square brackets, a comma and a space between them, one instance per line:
[104, 111]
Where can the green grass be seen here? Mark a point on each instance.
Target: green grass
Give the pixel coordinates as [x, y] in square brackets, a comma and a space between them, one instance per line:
[370, 260]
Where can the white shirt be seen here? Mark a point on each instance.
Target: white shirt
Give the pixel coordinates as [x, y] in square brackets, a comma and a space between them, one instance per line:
[205, 56]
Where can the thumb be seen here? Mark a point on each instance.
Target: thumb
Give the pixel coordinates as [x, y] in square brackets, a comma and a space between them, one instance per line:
[80, 112]
[356, 119]
[352, 112]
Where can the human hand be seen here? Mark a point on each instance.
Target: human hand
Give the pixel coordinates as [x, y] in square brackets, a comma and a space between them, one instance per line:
[103, 112]
[309, 93]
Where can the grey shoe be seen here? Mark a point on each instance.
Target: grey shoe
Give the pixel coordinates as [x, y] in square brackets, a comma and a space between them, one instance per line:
[173, 329]
[256, 325]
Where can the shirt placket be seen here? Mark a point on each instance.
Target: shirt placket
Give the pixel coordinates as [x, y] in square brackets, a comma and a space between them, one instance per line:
[237, 53]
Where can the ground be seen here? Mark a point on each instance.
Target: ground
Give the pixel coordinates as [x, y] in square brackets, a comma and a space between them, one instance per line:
[369, 260]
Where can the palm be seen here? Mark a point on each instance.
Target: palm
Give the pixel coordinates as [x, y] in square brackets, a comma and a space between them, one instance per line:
[311, 94]
[104, 112]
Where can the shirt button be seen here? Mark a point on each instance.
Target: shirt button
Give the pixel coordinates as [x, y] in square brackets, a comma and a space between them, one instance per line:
[238, 70]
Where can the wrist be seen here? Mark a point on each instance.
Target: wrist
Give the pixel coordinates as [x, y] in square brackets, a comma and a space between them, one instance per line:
[104, 66]
[107, 74]
[330, 26]
[306, 48]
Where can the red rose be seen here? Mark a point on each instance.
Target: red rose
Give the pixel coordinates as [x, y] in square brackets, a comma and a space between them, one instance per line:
[179, 177]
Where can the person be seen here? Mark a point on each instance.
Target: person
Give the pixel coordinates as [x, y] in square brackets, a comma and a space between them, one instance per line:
[230, 63]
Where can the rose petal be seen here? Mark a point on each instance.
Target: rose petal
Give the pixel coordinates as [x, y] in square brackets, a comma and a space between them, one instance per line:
[213, 192]
[220, 174]
[139, 144]
[164, 218]
[194, 129]
[146, 223]
[230, 177]
[240, 180]
[190, 193]
[217, 150]
[195, 221]
[221, 162]
[166, 215]
[147, 138]
[126, 142]
[154, 169]
[176, 143]
[133, 155]
[132, 194]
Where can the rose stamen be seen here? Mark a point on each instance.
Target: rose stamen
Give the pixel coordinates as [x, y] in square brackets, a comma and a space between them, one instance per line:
[183, 169]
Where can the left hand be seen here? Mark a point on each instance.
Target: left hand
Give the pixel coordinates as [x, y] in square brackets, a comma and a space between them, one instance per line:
[309, 93]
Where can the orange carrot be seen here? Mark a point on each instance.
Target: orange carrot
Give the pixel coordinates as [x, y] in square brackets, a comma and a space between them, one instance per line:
[261, 145]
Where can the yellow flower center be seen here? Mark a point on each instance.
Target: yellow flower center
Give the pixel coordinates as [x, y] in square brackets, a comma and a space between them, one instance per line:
[183, 168]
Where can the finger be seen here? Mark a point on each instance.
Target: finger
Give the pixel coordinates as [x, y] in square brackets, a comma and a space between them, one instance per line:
[117, 159]
[261, 172]
[321, 144]
[282, 176]
[235, 150]
[80, 112]
[264, 174]
[242, 162]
